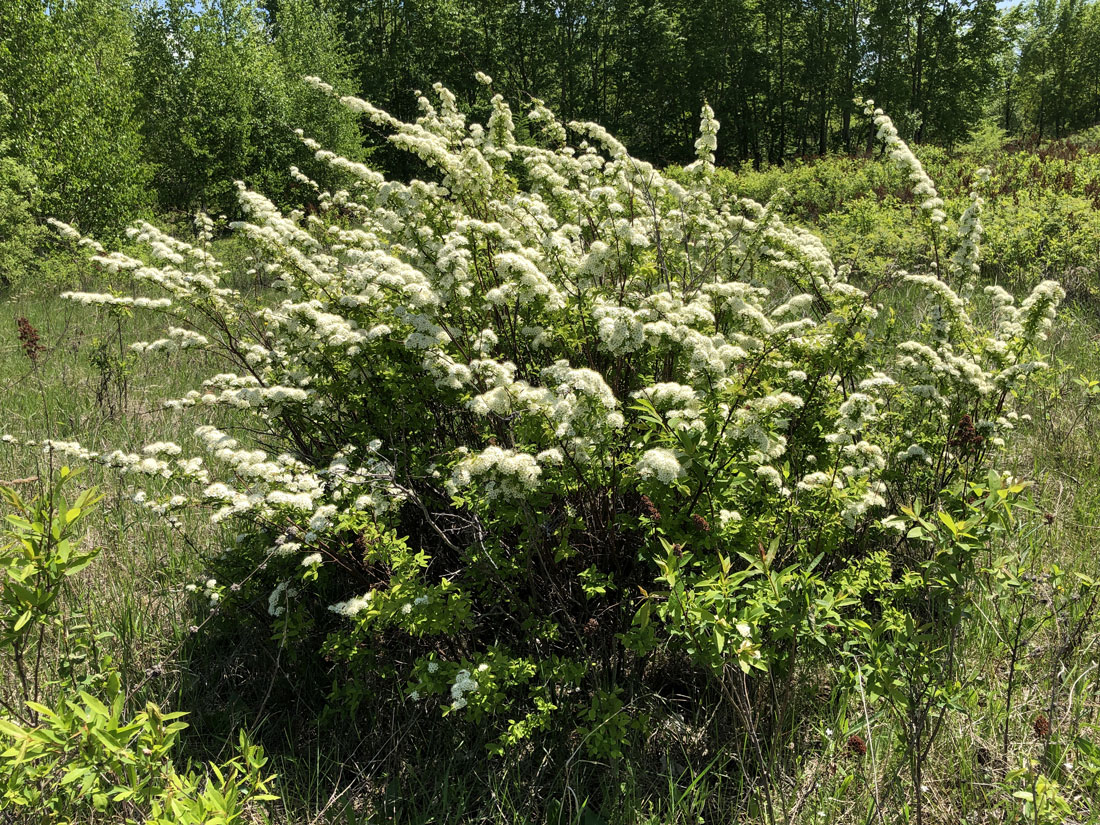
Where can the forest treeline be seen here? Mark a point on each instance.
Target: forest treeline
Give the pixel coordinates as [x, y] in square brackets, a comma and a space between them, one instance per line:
[111, 109]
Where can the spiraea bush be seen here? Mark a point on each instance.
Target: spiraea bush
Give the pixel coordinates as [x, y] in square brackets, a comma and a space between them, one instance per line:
[512, 440]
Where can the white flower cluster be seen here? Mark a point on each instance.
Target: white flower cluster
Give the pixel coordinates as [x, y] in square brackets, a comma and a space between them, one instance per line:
[966, 258]
[659, 463]
[507, 473]
[353, 607]
[681, 404]
[707, 143]
[178, 339]
[105, 299]
[923, 187]
[210, 590]
[280, 597]
[463, 684]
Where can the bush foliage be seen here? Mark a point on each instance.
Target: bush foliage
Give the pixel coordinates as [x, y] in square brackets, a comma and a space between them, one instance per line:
[518, 435]
[19, 234]
[84, 757]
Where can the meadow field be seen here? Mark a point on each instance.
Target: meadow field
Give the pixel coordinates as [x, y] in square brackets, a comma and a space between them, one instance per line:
[987, 714]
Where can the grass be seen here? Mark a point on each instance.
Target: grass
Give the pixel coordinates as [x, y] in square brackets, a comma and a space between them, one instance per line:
[1025, 658]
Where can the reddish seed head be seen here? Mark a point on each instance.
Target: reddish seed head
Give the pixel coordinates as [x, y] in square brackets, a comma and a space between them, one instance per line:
[1041, 726]
[966, 438]
[856, 745]
[28, 337]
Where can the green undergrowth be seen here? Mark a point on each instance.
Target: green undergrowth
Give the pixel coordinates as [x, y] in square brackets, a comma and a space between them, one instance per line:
[1042, 216]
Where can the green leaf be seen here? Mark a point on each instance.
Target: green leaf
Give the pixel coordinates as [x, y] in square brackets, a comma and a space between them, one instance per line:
[945, 517]
[80, 563]
[73, 775]
[11, 729]
[94, 703]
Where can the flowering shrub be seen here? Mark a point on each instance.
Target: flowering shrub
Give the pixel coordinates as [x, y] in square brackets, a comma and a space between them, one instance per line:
[517, 427]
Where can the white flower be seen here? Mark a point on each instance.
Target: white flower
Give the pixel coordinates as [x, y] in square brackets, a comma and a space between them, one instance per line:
[727, 517]
[463, 684]
[354, 606]
[511, 474]
[282, 592]
[914, 452]
[659, 463]
[772, 477]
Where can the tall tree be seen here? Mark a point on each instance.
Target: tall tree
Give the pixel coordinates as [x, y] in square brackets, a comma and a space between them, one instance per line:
[222, 97]
[65, 70]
